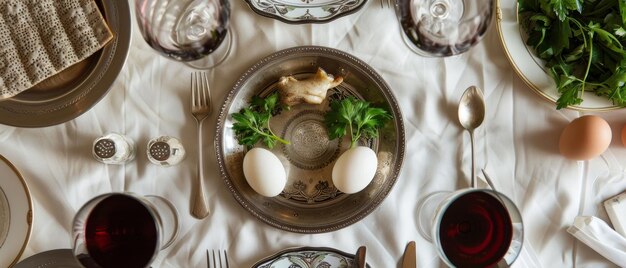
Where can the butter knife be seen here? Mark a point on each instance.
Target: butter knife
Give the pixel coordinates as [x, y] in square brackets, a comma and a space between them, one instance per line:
[408, 259]
[360, 257]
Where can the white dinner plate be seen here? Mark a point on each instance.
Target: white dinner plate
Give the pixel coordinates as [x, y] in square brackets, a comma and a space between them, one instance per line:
[18, 218]
[530, 68]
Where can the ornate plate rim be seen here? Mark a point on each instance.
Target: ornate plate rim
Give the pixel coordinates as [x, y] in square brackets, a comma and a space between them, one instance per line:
[300, 249]
[304, 21]
[543, 85]
[91, 90]
[29, 214]
[56, 256]
[221, 120]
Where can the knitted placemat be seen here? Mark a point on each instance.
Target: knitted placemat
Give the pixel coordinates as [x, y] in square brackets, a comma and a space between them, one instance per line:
[40, 38]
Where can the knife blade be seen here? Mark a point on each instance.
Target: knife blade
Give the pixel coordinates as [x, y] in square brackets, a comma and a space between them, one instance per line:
[360, 257]
[408, 259]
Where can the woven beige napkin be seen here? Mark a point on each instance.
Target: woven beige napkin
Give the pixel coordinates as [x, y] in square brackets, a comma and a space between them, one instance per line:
[40, 38]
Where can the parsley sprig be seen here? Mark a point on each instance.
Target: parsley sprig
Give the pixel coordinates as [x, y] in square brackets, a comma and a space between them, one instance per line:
[253, 124]
[582, 43]
[355, 117]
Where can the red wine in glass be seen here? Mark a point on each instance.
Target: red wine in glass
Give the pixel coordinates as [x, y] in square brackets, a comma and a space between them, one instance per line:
[118, 231]
[475, 230]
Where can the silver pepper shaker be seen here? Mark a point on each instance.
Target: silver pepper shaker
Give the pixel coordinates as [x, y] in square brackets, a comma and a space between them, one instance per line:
[113, 148]
[165, 151]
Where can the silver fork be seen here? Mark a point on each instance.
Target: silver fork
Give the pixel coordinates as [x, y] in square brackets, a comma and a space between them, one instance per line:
[383, 2]
[200, 109]
[216, 262]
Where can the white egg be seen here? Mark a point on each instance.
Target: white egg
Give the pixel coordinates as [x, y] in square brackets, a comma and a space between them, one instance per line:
[264, 172]
[354, 169]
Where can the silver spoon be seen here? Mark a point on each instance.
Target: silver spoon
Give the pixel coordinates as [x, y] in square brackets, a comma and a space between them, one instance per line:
[471, 115]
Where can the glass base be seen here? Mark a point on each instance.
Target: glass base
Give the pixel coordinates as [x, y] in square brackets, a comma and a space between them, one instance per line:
[217, 57]
[168, 216]
[426, 212]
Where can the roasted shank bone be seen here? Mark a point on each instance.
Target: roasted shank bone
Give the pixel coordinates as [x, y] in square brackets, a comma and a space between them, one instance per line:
[310, 90]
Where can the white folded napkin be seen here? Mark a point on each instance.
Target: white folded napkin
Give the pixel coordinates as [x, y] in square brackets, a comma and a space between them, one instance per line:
[599, 236]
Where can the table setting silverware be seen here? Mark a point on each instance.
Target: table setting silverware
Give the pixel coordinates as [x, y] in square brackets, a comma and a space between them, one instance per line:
[471, 115]
[408, 258]
[200, 109]
[360, 257]
[217, 259]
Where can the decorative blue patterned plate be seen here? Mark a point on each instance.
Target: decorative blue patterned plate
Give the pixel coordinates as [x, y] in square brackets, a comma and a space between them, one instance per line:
[305, 11]
[309, 257]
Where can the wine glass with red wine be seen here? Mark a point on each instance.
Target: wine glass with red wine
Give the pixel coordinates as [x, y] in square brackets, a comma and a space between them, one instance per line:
[123, 230]
[196, 32]
[472, 227]
[440, 28]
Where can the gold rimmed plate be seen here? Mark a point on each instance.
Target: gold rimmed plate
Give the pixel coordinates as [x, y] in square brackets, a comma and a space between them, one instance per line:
[530, 68]
[74, 91]
[310, 203]
[15, 213]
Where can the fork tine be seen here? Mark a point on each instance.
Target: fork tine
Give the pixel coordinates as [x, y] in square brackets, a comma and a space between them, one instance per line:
[226, 259]
[207, 91]
[208, 263]
[193, 103]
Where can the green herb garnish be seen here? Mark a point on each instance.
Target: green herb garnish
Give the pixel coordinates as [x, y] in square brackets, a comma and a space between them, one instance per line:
[356, 117]
[582, 44]
[253, 124]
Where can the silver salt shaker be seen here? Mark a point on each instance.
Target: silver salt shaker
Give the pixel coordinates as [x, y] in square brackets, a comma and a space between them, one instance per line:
[113, 148]
[165, 151]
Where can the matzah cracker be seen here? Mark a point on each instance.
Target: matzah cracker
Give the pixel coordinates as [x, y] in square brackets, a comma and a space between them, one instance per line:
[40, 38]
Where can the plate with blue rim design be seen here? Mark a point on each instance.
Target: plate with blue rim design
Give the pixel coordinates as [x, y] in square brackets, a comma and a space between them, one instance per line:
[305, 11]
[305, 257]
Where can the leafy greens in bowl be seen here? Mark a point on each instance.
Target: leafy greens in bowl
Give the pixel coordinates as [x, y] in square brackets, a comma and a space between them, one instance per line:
[582, 44]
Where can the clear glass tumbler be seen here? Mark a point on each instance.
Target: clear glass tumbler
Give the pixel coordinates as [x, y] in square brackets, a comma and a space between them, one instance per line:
[440, 28]
[123, 230]
[196, 32]
[472, 227]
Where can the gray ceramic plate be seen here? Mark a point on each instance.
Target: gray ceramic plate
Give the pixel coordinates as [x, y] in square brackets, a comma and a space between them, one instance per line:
[58, 258]
[310, 203]
[309, 257]
[74, 91]
[305, 11]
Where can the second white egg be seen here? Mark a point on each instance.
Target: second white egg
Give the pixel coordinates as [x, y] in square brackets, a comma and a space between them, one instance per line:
[264, 172]
[354, 169]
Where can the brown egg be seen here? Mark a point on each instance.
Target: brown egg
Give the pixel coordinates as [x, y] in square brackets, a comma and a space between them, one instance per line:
[585, 138]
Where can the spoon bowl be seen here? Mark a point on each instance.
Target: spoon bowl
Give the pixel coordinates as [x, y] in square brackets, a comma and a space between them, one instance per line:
[471, 116]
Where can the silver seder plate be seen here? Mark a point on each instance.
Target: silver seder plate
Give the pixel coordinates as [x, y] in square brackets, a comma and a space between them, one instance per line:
[305, 11]
[310, 203]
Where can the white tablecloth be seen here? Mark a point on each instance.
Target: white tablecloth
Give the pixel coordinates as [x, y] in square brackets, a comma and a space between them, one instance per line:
[517, 144]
